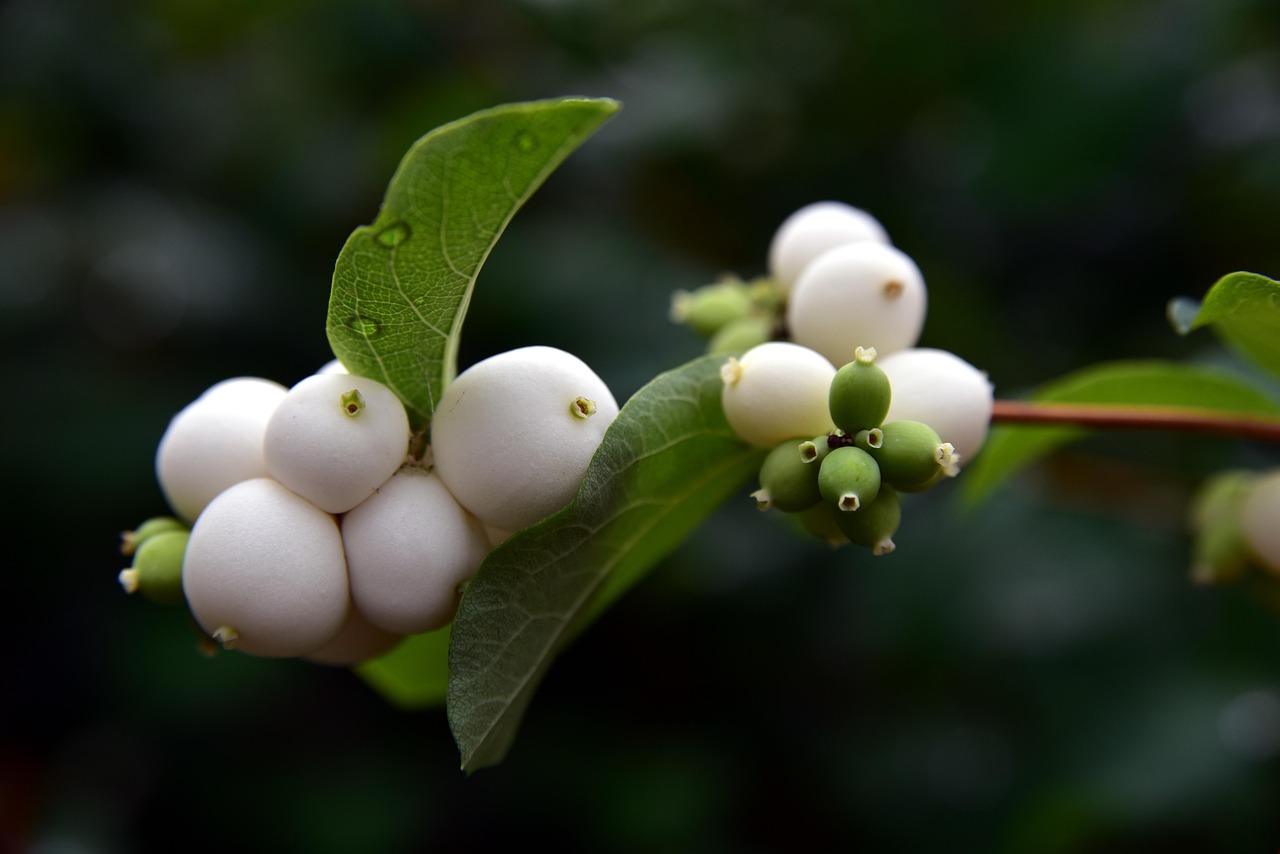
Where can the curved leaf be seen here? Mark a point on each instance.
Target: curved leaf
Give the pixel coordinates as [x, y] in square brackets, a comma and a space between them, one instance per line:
[1244, 309]
[666, 462]
[401, 285]
[1143, 383]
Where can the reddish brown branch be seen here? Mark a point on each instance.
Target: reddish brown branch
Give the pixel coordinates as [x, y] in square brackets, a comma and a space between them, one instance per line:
[1117, 417]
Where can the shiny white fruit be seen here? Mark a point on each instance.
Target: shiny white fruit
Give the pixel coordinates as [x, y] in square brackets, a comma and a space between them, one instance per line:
[409, 547]
[864, 294]
[777, 391]
[336, 438]
[812, 230]
[1260, 521]
[512, 435]
[264, 571]
[942, 390]
[333, 366]
[215, 442]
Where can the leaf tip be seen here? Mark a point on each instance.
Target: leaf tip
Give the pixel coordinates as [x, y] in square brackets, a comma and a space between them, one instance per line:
[1182, 313]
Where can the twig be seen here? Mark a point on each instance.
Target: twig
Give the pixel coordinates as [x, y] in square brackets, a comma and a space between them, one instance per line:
[1238, 425]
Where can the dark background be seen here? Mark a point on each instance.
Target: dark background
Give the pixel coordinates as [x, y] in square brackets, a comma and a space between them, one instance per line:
[176, 180]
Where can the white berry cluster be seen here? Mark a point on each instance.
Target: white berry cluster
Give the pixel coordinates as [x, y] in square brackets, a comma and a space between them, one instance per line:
[321, 528]
[838, 293]
[834, 283]
[1235, 521]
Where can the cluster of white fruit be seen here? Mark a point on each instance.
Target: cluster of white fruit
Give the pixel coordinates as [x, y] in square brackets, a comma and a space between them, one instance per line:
[839, 294]
[319, 531]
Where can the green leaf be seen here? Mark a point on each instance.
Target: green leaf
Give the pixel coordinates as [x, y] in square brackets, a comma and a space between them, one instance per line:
[1244, 309]
[413, 675]
[1010, 448]
[402, 285]
[666, 462]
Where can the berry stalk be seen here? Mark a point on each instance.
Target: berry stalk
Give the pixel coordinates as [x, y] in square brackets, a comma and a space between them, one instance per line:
[1237, 425]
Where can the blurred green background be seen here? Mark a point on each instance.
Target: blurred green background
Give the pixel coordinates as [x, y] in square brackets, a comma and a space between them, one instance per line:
[176, 180]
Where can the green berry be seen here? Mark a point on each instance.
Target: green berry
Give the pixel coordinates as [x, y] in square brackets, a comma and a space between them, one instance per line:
[820, 521]
[911, 454]
[707, 309]
[816, 449]
[875, 524]
[1220, 549]
[787, 481]
[131, 540]
[740, 335]
[869, 440]
[156, 572]
[859, 396]
[849, 478]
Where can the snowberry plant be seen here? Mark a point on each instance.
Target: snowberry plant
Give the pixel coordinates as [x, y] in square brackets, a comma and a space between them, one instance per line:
[400, 517]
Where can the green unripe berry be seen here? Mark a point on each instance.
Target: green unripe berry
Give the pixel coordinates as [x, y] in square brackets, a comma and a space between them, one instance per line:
[938, 477]
[131, 540]
[1220, 550]
[860, 394]
[869, 440]
[156, 572]
[740, 335]
[707, 309]
[911, 454]
[816, 449]
[787, 481]
[875, 524]
[848, 478]
[820, 521]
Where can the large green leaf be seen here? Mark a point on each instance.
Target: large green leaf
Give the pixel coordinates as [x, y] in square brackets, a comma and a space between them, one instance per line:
[1123, 384]
[1244, 309]
[667, 462]
[401, 285]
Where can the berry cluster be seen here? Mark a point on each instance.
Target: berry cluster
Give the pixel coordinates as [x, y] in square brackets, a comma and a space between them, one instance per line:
[834, 283]
[843, 442]
[842, 463]
[323, 528]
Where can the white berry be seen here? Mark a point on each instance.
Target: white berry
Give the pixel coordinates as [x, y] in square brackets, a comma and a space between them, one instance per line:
[942, 390]
[512, 435]
[409, 546]
[777, 391]
[336, 438]
[1260, 521]
[358, 641]
[864, 294]
[812, 230]
[264, 571]
[215, 442]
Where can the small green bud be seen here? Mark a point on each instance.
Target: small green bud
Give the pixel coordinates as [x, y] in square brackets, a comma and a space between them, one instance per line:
[816, 449]
[875, 524]
[1220, 549]
[131, 540]
[787, 482]
[911, 454]
[156, 572]
[767, 295]
[848, 478]
[860, 394]
[707, 309]
[869, 440]
[740, 335]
